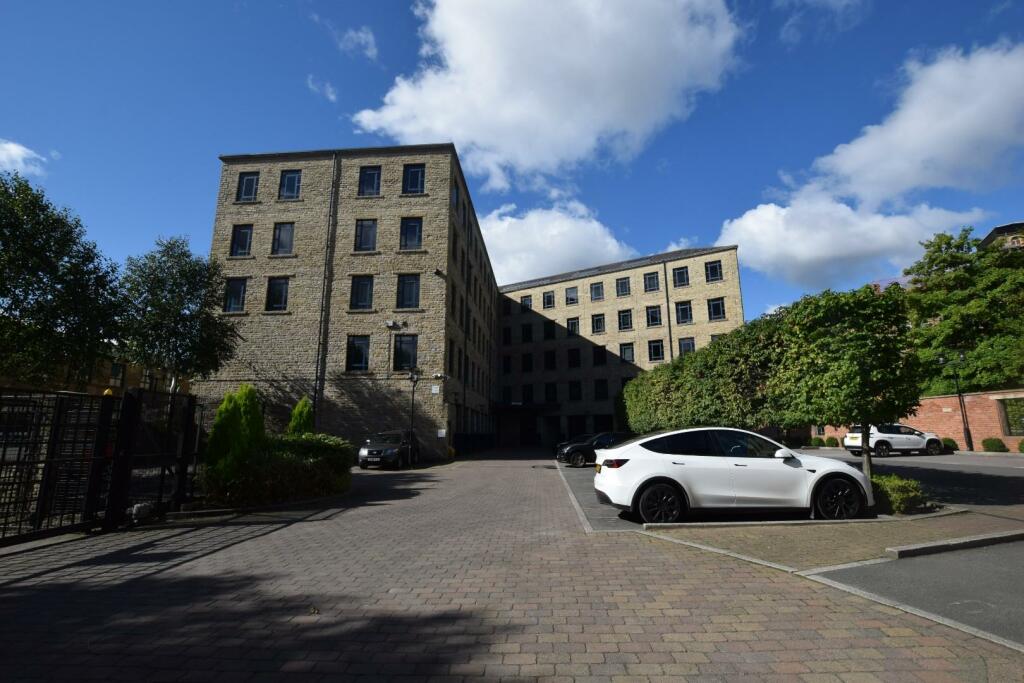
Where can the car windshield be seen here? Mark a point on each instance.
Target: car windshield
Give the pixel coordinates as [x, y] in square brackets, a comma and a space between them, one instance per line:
[580, 438]
[641, 437]
[387, 437]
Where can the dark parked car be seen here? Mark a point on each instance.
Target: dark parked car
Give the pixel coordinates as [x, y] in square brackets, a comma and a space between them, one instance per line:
[396, 449]
[580, 453]
[579, 438]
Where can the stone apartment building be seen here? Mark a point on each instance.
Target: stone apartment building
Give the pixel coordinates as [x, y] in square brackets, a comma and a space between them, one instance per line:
[346, 269]
[570, 342]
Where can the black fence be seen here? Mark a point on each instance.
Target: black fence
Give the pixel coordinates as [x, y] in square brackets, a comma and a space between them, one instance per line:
[75, 461]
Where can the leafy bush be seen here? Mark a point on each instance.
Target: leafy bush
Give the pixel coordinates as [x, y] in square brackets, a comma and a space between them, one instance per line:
[832, 442]
[301, 421]
[894, 494]
[236, 437]
[950, 444]
[817, 442]
[994, 445]
[1020, 446]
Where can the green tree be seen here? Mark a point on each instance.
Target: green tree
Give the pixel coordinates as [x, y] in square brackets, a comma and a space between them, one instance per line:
[847, 359]
[971, 301]
[59, 298]
[301, 421]
[172, 321]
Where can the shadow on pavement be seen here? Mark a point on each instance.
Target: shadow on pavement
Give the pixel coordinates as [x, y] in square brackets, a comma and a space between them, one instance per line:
[962, 488]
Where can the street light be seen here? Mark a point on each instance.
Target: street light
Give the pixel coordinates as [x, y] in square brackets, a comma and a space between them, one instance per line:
[414, 377]
[960, 398]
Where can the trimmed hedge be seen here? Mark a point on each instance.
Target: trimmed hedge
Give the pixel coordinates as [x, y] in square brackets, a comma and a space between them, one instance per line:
[950, 444]
[894, 494]
[832, 442]
[994, 445]
[818, 442]
[301, 421]
[1020, 446]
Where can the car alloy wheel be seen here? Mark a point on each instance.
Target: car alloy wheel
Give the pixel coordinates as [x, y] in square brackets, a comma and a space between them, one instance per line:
[934, 448]
[838, 498]
[882, 450]
[661, 504]
[578, 460]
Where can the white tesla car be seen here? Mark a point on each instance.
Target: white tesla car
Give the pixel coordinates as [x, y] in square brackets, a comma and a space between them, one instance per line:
[661, 476]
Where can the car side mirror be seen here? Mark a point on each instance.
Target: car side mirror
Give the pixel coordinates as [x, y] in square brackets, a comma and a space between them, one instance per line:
[784, 454]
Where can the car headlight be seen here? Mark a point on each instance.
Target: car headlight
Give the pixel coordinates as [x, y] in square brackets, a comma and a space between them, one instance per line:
[363, 451]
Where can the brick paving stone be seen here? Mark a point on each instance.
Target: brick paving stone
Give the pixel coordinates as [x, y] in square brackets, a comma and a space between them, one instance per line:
[475, 571]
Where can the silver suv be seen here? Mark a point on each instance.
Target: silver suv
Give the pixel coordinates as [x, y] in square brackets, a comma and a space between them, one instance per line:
[893, 438]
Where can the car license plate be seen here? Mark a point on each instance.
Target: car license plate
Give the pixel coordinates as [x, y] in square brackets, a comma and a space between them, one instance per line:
[597, 467]
[373, 460]
[854, 437]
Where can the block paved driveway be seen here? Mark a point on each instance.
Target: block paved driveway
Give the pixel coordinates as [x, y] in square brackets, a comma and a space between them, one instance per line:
[478, 569]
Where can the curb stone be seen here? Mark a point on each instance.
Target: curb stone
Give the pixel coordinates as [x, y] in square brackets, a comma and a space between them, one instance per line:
[950, 544]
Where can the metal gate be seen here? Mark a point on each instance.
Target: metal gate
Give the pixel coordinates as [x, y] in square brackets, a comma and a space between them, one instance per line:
[73, 461]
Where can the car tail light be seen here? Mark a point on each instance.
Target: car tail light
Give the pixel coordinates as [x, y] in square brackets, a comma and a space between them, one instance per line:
[614, 463]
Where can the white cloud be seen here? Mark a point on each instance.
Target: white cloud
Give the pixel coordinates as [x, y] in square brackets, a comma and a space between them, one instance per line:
[322, 88]
[359, 40]
[20, 159]
[544, 241]
[526, 87]
[825, 15]
[956, 124]
[681, 243]
[771, 308]
[958, 120]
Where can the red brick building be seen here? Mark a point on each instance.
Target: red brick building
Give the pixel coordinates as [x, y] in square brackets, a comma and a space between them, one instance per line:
[998, 414]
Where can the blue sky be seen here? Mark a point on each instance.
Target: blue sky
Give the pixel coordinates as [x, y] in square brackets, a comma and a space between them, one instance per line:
[825, 137]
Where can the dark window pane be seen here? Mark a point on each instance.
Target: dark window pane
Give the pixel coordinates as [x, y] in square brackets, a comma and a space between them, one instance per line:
[550, 359]
[653, 316]
[412, 233]
[626, 352]
[234, 295]
[526, 302]
[597, 291]
[549, 329]
[527, 393]
[277, 294]
[622, 286]
[284, 234]
[357, 355]
[688, 443]
[527, 362]
[651, 282]
[548, 299]
[526, 332]
[551, 392]
[572, 296]
[655, 350]
[362, 292]
[414, 179]
[625, 320]
[506, 364]
[241, 240]
[743, 445]
[506, 335]
[405, 351]
[291, 182]
[573, 326]
[716, 309]
[366, 235]
[597, 323]
[681, 276]
[684, 313]
[575, 391]
[574, 358]
[600, 389]
[248, 184]
[686, 345]
[369, 181]
[600, 355]
[408, 291]
[713, 271]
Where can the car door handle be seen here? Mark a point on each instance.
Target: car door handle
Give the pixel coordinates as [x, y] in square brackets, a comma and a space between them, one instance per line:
[678, 463]
[736, 464]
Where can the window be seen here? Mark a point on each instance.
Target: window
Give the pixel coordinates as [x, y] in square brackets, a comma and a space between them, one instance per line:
[506, 335]
[626, 352]
[527, 362]
[597, 291]
[284, 239]
[369, 181]
[241, 240]
[651, 282]
[527, 333]
[656, 350]
[597, 323]
[366, 235]
[1013, 408]
[574, 358]
[622, 286]
[653, 316]
[411, 236]
[414, 177]
[291, 183]
[548, 299]
[408, 291]
[526, 302]
[234, 295]
[716, 337]
[506, 306]
[686, 345]
[506, 365]
[248, 184]
[116, 374]
[742, 445]
[277, 294]
[625, 320]
[713, 271]
[699, 442]
[681, 276]
[599, 356]
[550, 360]
[575, 391]
[527, 393]
[819, 430]
[716, 309]
[551, 392]
[572, 296]
[357, 353]
[573, 326]
[549, 329]
[601, 389]
[405, 351]
[684, 313]
[362, 293]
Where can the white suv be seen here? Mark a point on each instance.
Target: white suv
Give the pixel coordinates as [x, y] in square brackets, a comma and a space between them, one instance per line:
[893, 438]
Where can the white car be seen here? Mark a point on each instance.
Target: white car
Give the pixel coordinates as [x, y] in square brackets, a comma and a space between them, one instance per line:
[661, 476]
[893, 438]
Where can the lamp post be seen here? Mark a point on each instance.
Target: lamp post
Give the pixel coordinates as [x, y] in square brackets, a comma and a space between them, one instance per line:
[968, 441]
[414, 377]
